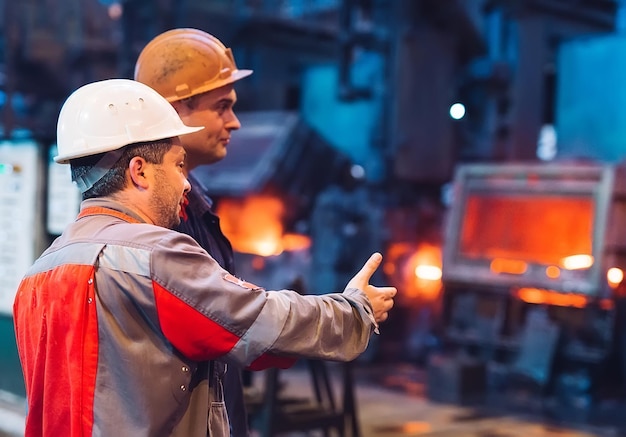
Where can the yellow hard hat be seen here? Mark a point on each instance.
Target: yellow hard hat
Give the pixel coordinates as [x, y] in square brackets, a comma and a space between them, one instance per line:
[181, 63]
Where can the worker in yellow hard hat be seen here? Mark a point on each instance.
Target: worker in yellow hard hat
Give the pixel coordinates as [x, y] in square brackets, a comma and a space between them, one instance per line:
[196, 73]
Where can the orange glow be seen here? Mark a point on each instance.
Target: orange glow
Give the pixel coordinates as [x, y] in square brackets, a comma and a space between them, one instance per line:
[415, 271]
[425, 266]
[607, 304]
[537, 229]
[254, 225]
[512, 266]
[551, 297]
[416, 428]
[295, 242]
[553, 272]
[389, 268]
[614, 276]
[258, 263]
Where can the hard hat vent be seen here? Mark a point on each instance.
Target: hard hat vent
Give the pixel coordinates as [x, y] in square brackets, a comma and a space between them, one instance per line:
[110, 114]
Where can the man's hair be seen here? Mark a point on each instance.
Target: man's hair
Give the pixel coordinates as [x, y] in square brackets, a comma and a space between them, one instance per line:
[115, 179]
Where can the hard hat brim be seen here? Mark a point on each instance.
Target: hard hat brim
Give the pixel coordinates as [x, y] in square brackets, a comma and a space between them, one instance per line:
[105, 148]
[237, 75]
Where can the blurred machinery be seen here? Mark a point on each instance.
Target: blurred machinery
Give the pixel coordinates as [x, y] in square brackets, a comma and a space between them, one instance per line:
[497, 55]
[533, 269]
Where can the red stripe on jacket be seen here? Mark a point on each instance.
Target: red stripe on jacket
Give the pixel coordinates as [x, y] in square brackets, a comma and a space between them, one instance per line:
[190, 331]
[199, 337]
[61, 324]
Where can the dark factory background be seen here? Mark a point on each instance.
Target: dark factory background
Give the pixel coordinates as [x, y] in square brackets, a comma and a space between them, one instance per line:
[476, 143]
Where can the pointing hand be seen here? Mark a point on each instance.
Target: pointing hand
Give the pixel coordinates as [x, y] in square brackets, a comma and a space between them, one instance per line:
[381, 298]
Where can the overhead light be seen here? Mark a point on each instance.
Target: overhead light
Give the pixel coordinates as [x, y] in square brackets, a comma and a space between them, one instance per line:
[457, 111]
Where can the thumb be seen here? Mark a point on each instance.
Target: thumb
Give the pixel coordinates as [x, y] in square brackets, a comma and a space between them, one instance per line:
[361, 279]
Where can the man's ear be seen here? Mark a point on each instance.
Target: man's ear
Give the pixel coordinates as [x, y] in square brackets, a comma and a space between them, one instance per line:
[137, 168]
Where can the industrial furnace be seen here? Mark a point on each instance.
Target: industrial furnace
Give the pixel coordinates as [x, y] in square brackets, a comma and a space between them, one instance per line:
[542, 226]
[533, 265]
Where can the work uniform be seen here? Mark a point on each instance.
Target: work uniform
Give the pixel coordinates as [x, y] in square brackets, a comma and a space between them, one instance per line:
[203, 225]
[116, 321]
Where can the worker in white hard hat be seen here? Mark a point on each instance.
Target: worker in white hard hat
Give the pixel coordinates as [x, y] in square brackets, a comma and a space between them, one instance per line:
[119, 322]
[196, 73]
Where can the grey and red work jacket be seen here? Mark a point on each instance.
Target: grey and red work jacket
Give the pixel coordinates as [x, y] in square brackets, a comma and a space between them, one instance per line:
[117, 324]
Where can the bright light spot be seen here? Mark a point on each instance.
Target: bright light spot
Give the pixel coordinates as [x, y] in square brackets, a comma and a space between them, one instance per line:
[422, 273]
[614, 276]
[115, 11]
[357, 171]
[457, 111]
[267, 248]
[576, 262]
[430, 273]
[547, 144]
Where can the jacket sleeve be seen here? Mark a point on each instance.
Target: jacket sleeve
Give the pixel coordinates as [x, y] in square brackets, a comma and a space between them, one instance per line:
[207, 313]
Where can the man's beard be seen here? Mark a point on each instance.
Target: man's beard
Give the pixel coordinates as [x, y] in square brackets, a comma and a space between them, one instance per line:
[165, 203]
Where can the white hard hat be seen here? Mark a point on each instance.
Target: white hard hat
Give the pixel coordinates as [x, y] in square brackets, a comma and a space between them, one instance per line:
[110, 114]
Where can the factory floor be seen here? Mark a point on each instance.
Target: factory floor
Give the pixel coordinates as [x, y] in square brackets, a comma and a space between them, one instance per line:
[390, 401]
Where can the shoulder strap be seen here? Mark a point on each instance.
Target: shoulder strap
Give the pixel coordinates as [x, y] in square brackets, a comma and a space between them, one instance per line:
[100, 210]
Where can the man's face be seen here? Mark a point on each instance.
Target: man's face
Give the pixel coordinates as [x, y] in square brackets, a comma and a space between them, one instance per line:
[214, 111]
[169, 186]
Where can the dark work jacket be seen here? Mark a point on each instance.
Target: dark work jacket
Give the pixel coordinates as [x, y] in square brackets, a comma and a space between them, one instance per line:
[204, 226]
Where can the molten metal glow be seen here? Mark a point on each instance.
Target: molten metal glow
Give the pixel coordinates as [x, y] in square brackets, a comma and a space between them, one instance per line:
[533, 227]
[511, 266]
[254, 226]
[424, 266]
[295, 242]
[551, 297]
